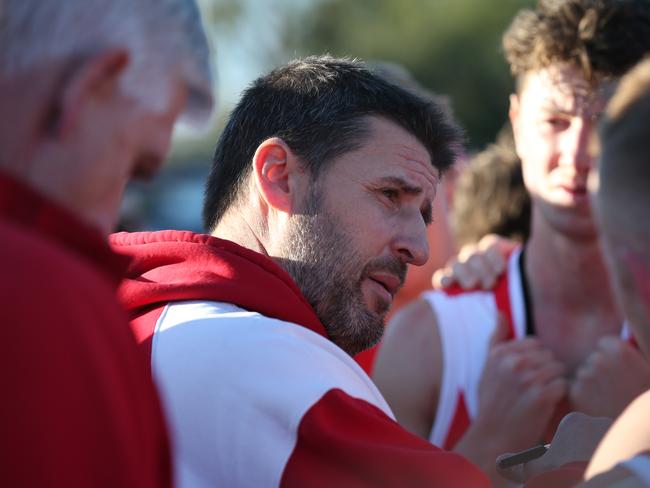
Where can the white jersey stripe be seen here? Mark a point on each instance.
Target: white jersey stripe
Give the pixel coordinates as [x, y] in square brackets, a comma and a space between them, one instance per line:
[184, 361]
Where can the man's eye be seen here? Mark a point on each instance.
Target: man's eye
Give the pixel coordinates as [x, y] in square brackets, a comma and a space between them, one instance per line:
[557, 123]
[390, 193]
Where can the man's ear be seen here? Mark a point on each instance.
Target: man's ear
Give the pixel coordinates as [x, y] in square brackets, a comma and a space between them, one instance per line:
[279, 176]
[94, 78]
[513, 111]
[513, 115]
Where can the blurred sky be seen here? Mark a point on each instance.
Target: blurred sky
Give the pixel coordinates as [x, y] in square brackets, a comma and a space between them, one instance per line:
[248, 44]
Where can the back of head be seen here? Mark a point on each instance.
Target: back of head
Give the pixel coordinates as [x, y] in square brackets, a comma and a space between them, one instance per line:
[163, 37]
[624, 168]
[623, 197]
[604, 38]
[319, 107]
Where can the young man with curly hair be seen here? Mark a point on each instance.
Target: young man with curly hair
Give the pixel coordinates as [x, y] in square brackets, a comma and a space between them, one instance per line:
[484, 385]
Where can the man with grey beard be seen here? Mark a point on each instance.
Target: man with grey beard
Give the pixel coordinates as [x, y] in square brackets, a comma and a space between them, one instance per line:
[319, 198]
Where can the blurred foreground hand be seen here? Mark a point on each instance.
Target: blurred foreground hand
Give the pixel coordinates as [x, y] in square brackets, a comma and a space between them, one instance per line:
[576, 439]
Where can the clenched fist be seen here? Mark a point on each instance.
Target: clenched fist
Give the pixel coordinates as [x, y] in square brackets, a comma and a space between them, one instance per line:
[609, 379]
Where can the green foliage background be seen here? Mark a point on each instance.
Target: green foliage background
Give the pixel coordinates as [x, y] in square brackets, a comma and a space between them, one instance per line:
[452, 47]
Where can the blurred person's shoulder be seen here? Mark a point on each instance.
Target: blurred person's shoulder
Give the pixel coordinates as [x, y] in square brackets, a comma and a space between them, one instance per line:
[49, 287]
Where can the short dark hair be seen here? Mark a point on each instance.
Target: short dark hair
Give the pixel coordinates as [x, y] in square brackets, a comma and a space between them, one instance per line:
[319, 106]
[604, 38]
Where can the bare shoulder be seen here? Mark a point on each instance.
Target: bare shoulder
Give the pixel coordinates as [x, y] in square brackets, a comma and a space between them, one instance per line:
[408, 368]
[628, 436]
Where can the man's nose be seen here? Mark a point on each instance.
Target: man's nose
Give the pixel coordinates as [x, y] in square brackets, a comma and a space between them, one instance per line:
[411, 244]
[575, 149]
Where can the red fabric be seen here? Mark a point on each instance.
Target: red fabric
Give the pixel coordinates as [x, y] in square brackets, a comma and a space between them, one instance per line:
[461, 419]
[502, 297]
[366, 359]
[346, 442]
[78, 405]
[565, 476]
[459, 424]
[179, 265]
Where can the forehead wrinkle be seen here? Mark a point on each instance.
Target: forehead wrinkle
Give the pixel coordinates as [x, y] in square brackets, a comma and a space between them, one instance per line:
[412, 162]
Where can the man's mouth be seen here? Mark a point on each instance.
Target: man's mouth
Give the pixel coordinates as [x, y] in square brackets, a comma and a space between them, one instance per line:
[575, 189]
[389, 282]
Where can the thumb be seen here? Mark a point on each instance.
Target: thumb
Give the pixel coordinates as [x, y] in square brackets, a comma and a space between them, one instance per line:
[501, 331]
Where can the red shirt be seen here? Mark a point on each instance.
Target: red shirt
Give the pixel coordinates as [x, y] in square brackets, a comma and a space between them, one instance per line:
[78, 404]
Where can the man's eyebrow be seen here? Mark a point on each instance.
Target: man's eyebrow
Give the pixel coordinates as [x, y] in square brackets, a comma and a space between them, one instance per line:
[427, 207]
[401, 184]
[554, 108]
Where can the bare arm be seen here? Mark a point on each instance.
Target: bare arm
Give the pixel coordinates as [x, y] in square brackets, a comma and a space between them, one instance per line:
[521, 384]
[408, 369]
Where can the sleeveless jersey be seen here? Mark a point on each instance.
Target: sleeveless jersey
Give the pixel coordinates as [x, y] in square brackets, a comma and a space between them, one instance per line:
[466, 321]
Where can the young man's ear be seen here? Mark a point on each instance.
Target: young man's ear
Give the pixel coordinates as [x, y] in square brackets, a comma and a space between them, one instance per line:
[280, 178]
[513, 115]
[513, 110]
[96, 77]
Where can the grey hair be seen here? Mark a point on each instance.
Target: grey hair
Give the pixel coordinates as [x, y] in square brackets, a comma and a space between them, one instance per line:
[162, 37]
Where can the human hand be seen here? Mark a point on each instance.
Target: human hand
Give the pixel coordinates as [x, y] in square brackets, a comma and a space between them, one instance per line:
[576, 439]
[609, 379]
[521, 385]
[476, 264]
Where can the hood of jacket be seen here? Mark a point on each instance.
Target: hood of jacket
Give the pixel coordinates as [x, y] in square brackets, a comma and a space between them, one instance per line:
[169, 266]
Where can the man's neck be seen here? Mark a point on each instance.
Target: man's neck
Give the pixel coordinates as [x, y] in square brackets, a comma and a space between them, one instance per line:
[566, 271]
[235, 227]
[572, 304]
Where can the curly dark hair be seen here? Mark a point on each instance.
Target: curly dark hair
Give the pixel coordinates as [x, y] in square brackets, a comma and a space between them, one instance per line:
[604, 38]
[490, 196]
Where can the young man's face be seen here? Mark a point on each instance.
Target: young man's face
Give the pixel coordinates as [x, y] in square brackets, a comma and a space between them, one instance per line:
[365, 220]
[553, 117]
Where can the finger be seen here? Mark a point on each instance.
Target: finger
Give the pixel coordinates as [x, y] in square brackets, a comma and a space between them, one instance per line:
[544, 374]
[502, 244]
[547, 395]
[466, 251]
[522, 346]
[540, 358]
[557, 389]
[464, 276]
[488, 241]
[496, 265]
[443, 278]
[482, 271]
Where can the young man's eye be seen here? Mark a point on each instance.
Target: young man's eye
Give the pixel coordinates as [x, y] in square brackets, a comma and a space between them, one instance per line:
[557, 123]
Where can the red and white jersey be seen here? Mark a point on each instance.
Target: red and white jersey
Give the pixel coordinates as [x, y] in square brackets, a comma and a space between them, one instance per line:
[247, 418]
[466, 321]
[255, 392]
